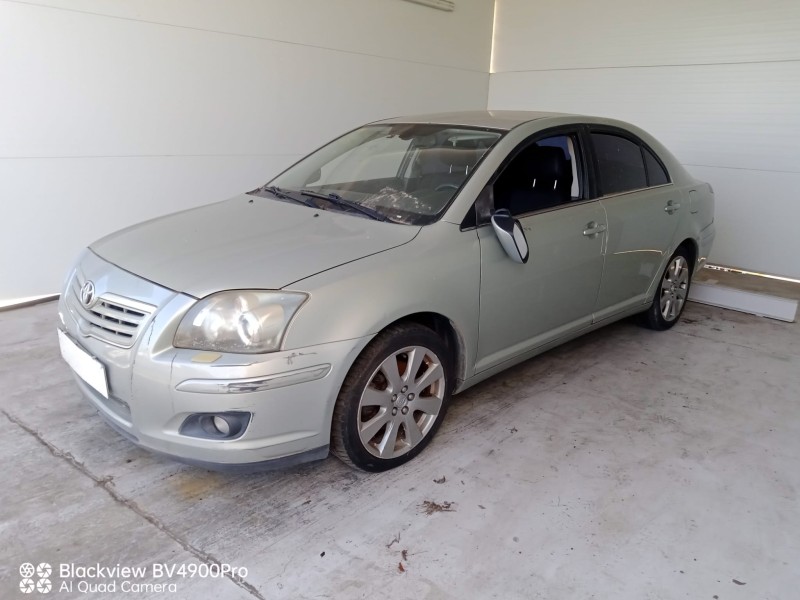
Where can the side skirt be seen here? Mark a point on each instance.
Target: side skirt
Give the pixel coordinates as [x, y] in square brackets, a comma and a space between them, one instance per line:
[478, 377]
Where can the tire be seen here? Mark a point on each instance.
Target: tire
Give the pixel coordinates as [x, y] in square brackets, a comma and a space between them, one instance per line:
[383, 416]
[671, 294]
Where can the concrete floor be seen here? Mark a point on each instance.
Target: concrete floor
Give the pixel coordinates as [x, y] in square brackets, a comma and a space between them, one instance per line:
[626, 464]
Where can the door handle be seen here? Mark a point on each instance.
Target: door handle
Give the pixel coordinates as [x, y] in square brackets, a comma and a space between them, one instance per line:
[592, 229]
[671, 207]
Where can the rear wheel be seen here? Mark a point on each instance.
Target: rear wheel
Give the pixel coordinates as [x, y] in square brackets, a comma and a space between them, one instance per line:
[672, 292]
[393, 399]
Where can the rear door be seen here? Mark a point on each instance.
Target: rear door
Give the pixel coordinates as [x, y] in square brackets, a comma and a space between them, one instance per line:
[643, 209]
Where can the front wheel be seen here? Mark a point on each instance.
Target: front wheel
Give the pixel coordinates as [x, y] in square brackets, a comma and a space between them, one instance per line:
[671, 295]
[393, 399]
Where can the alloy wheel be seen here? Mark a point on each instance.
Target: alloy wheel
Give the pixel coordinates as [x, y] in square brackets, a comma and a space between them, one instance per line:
[674, 287]
[401, 402]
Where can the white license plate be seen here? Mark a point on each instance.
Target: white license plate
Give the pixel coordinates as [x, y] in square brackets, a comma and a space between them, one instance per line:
[87, 367]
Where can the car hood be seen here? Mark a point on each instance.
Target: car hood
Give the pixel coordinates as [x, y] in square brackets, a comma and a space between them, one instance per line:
[246, 242]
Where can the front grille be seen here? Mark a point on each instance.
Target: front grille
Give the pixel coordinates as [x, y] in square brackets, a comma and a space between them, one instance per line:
[110, 318]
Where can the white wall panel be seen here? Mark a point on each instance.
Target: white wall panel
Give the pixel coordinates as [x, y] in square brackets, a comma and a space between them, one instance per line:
[385, 28]
[756, 219]
[581, 34]
[743, 116]
[152, 107]
[92, 86]
[718, 84]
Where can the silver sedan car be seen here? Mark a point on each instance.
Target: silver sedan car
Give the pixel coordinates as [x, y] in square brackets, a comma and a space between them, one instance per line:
[340, 306]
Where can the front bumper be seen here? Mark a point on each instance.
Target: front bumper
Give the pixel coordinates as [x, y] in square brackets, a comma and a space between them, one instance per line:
[153, 387]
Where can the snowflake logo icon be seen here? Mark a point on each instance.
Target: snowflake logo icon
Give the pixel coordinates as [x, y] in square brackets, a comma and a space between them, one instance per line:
[26, 570]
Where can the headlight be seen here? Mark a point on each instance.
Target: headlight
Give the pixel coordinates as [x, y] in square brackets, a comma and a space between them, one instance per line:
[247, 321]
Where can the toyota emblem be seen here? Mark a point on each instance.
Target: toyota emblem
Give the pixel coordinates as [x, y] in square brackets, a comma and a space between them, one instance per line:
[87, 294]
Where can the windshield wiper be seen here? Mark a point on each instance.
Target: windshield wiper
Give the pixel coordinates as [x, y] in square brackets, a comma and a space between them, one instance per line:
[285, 195]
[344, 202]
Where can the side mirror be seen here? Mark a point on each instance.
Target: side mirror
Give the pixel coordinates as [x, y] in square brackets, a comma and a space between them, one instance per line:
[512, 238]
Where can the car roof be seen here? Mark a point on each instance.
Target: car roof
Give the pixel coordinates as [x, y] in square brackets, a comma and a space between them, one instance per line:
[493, 119]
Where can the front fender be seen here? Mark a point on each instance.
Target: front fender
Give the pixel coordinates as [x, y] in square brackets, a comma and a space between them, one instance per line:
[438, 272]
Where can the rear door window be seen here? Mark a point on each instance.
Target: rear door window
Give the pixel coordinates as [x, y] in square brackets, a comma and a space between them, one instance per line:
[620, 164]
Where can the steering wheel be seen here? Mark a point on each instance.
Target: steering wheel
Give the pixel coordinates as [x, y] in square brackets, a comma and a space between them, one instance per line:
[444, 186]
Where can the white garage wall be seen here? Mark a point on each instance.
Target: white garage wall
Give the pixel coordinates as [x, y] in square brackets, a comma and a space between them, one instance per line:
[717, 81]
[114, 111]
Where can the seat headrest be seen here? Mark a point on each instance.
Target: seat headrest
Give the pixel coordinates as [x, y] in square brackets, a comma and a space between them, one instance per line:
[448, 160]
[547, 163]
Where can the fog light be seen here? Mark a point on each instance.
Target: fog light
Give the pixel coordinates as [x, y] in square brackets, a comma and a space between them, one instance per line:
[216, 426]
[222, 425]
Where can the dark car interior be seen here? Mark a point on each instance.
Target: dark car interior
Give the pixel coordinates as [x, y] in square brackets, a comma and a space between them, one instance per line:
[539, 177]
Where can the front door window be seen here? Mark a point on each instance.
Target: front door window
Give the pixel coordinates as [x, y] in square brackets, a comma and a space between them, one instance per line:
[545, 174]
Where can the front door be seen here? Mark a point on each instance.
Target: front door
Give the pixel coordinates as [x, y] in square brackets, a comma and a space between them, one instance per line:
[523, 306]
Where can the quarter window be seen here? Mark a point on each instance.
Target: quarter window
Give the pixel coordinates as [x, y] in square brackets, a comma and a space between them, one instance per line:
[656, 175]
[620, 164]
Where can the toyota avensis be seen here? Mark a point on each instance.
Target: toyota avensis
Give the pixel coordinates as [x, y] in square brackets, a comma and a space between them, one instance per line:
[341, 305]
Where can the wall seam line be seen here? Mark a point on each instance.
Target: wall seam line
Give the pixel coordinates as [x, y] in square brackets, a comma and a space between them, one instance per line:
[244, 35]
[742, 169]
[657, 66]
